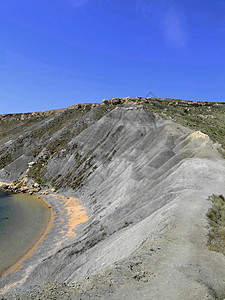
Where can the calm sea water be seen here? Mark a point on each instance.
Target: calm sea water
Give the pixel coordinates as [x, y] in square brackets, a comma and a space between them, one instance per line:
[22, 221]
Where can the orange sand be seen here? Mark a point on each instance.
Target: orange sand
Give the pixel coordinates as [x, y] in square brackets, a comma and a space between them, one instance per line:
[75, 212]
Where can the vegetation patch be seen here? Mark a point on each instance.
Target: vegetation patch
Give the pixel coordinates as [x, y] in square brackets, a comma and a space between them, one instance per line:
[208, 117]
[38, 170]
[14, 125]
[216, 216]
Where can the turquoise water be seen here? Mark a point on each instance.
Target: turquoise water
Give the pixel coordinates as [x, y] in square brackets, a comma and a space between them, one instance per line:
[22, 221]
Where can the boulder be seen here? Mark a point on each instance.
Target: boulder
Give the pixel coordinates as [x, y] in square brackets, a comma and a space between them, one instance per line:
[115, 101]
[105, 101]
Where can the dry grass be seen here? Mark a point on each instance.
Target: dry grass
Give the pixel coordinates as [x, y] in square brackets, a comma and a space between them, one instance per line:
[216, 215]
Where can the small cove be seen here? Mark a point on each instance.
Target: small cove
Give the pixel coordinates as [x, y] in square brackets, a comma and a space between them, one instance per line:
[23, 220]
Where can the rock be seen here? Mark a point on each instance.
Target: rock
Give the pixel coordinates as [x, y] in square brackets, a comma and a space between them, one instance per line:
[23, 189]
[87, 106]
[115, 101]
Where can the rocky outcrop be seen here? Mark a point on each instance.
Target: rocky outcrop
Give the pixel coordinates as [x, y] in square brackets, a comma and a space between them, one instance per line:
[26, 185]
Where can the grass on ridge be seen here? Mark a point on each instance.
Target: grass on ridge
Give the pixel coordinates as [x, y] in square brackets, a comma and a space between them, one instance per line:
[216, 216]
[207, 117]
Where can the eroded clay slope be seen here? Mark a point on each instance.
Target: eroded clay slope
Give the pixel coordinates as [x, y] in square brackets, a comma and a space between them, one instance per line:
[144, 182]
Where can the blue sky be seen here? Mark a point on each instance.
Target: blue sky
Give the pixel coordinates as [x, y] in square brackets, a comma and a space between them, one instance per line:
[57, 53]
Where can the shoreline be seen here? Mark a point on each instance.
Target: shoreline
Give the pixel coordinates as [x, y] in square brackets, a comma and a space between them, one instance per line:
[27, 254]
[65, 214]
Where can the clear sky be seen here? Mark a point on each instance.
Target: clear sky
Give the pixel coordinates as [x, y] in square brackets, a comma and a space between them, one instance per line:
[55, 53]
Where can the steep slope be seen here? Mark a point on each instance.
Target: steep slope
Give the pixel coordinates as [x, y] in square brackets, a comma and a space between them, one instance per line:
[46, 134]
[144, 182]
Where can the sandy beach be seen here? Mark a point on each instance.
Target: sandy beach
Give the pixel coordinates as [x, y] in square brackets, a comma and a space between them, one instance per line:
[65, 213]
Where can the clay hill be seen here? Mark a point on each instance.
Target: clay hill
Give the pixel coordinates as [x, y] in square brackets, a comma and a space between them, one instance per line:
[150, 174]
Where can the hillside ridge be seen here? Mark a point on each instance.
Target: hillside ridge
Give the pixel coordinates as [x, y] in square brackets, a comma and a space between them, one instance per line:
[143, 179]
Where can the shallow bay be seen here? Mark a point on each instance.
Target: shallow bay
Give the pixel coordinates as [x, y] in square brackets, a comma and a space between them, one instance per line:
[23, 220]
